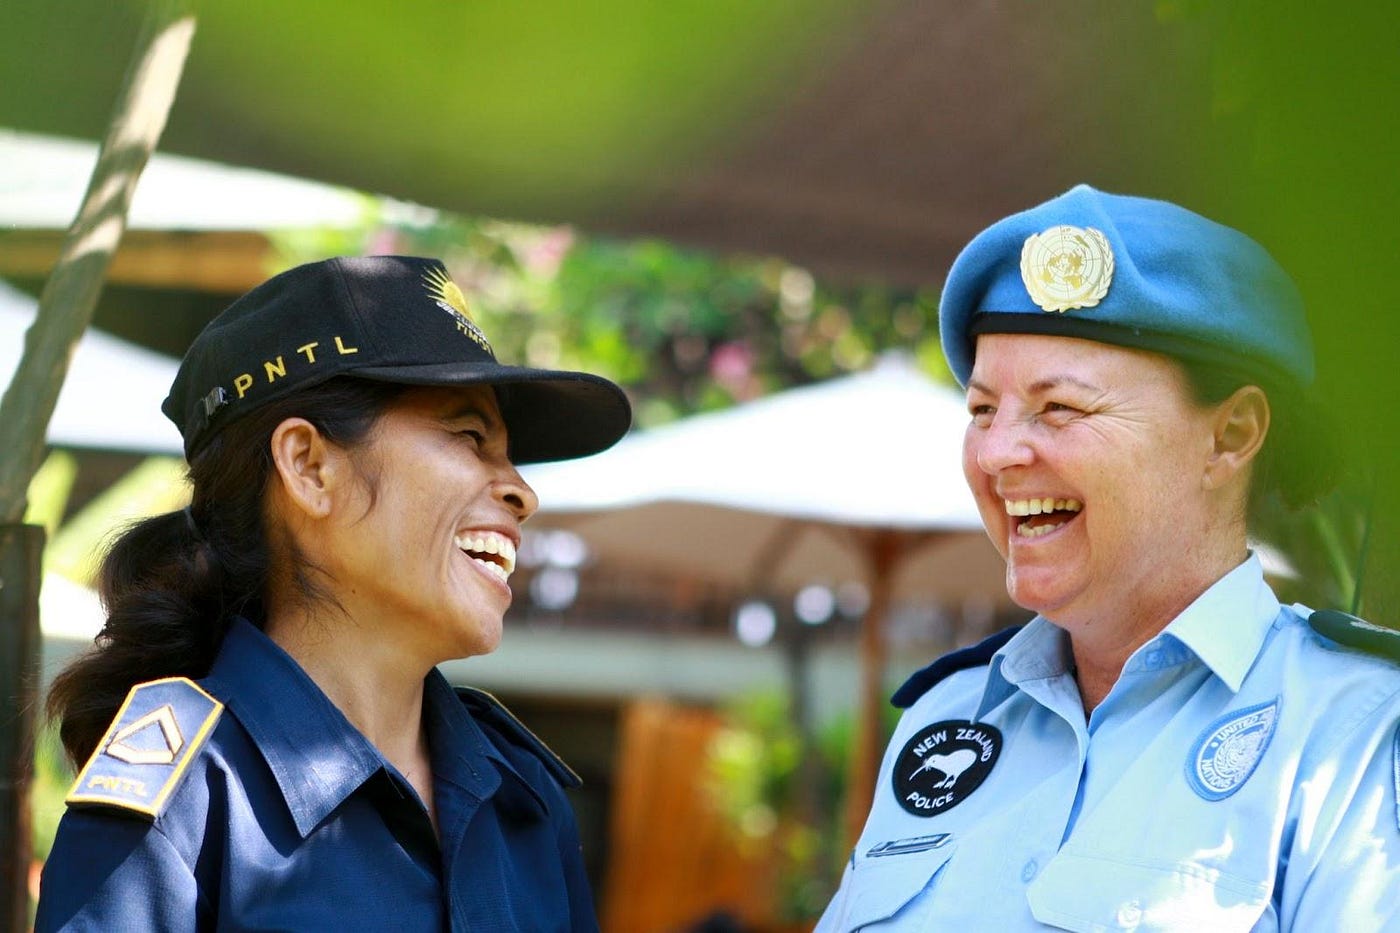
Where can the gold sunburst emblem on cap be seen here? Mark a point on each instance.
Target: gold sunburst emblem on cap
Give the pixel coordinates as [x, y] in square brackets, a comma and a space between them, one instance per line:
[445, 292]
[447, 296]
[1067, 267]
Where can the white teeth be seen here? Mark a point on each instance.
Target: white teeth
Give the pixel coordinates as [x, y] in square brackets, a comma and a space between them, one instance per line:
[497, 569]
[1041, 506]
[489, 542]
[1026, 531]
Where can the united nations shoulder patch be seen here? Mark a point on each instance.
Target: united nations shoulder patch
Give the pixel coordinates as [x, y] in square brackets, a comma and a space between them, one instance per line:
[147, 749]
[943, 764]
[1229, 749]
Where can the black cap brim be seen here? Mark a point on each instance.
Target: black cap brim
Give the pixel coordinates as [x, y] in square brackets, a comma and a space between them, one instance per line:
[549, 414]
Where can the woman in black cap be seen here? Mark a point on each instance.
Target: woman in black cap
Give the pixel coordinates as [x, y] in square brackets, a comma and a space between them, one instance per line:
[268, 744]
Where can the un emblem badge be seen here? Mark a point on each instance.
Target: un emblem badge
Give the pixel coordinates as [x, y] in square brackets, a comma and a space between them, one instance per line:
[1228, 751]
[1067, 267]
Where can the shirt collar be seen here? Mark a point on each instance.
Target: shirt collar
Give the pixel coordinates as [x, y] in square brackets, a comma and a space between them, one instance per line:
[1226, 625]
[461, 746]
[1039, 651]
[1224, 628]
[316, 756]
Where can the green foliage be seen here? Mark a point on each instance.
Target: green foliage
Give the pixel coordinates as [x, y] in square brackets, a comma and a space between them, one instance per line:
[48, 491]
[754, 771]
[783, 792]
[156, 485]
[52, 777]
[1323, 546]
[753, 763]
[683, 330]
[1311, 93]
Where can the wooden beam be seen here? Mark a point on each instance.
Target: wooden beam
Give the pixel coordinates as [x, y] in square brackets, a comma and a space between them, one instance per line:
[227, 262]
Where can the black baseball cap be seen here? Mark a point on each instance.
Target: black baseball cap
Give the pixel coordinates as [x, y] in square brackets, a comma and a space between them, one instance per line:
[398, 319]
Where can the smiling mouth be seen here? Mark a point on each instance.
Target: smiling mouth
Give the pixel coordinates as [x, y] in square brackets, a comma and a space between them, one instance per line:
[1041, 516]
[490, 549]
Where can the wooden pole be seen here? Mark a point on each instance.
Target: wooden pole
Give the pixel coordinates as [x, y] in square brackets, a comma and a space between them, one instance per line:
[885, 550]
[65, 309]
[21, 547]
[70, 294]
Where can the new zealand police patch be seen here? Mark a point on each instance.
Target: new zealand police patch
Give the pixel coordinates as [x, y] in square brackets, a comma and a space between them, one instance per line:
[943, 764]
[1229, 749]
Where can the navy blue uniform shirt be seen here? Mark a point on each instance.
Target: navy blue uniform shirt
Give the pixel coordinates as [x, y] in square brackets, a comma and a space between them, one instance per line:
[287, 818]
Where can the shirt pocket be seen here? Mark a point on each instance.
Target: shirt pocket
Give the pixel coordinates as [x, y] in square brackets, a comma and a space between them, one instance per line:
[1091, 892]
[881, 891]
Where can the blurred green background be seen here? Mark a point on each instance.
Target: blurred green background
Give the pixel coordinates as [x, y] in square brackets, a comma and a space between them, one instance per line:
[710, 201]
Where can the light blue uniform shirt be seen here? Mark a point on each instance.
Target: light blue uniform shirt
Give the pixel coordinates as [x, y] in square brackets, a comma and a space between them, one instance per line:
[1241, 775]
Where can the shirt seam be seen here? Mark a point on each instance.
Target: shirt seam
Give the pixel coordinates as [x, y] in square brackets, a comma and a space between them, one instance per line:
[202, 898]
[1360, 720]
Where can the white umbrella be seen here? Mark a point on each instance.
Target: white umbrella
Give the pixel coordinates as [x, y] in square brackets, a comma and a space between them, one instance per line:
[44, 179]
[857, 478]
[111, 397]
[879, 448]
[790, 489]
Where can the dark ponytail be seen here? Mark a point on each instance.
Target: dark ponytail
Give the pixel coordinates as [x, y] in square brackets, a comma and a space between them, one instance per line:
[172, 584]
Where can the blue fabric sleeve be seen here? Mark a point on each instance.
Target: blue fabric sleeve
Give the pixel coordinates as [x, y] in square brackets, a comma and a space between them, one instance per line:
[1347, 875]
[111, 872]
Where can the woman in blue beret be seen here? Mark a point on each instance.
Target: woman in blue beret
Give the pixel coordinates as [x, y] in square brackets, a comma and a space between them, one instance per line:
[264, 740]
[1164, 746]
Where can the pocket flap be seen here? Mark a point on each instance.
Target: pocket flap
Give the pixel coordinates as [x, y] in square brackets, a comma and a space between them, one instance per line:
[883, 886]
[1078, 891]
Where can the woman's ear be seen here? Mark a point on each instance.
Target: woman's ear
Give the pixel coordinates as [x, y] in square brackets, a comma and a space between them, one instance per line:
[308, 467]
[1240, 424]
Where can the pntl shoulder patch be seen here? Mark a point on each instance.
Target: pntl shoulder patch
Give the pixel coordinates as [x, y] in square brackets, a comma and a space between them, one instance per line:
[943, 764]
[1229, 750]
[148, 748]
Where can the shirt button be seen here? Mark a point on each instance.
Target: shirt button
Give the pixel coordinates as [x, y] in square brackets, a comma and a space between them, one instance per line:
[1028, 871]
[1129, 915]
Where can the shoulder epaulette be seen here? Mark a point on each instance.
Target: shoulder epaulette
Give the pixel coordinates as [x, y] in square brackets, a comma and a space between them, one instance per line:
[493, 712]
[1347, 630]
[923, 680]
[147, 750]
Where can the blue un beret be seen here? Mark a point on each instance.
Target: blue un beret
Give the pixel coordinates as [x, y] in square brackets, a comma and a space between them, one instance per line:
[1133, 272]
